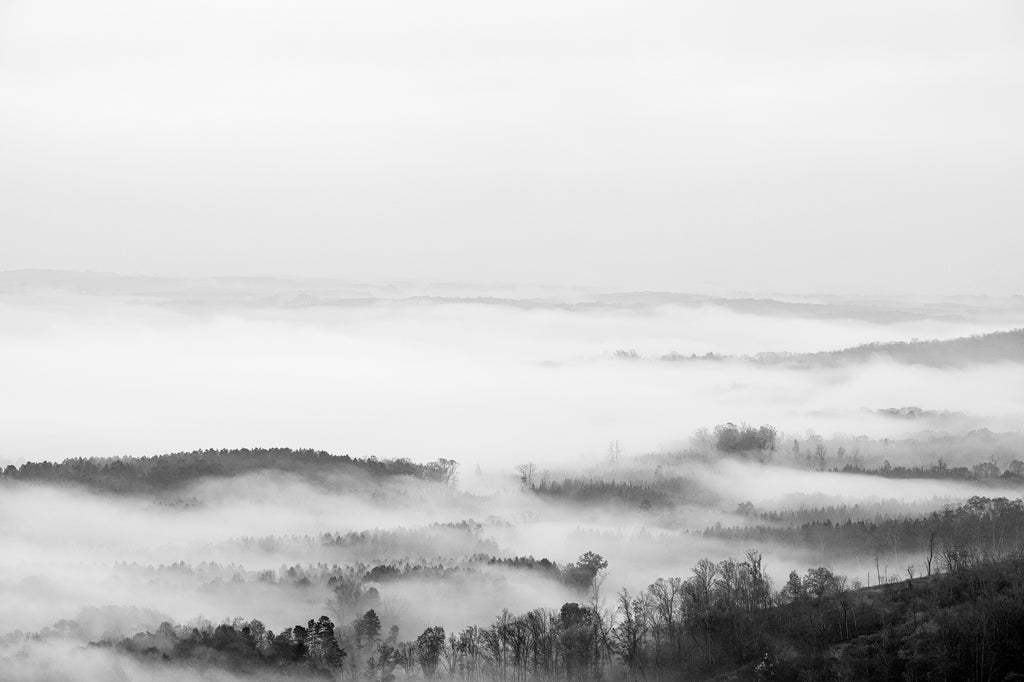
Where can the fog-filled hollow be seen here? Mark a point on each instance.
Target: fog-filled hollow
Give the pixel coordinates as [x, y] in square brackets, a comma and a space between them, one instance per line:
[424, 379]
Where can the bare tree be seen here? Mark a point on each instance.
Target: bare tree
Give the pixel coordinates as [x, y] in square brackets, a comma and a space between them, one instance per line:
[527, 475]
[931, 553]
[820, 455]
[892, 536]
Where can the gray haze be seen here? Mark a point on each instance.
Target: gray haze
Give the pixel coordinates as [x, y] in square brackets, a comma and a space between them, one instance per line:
[539, 251]
[104, 365]
[795, 146]
[484, 381]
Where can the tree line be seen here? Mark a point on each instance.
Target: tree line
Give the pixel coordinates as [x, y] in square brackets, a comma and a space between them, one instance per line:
[725, 618]
[990, 527]
[761, 444]
[352, 584]
[1004, 346]
[175, 470]
[661, 494]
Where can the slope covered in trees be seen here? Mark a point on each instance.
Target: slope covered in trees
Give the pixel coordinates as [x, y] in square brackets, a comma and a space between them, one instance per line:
[172, 471]
[725, 618]
[952, 536]
[1005, 346]
[663, 493]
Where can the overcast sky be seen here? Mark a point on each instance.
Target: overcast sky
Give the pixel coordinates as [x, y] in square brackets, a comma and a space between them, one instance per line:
[760, 146]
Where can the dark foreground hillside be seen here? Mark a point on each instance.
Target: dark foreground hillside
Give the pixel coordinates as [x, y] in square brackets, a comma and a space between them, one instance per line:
[968, 625]
[722, 623]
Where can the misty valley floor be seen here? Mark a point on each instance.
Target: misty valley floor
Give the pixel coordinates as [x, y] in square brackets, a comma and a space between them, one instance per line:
[947, 603]
[558, 492]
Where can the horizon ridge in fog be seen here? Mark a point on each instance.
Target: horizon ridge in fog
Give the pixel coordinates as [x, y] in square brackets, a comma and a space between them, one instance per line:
[107, 281]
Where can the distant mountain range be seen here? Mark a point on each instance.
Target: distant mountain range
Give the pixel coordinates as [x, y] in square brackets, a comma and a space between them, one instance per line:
[317, 291]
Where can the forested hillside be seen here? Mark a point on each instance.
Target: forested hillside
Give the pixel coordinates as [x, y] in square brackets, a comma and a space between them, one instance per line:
[172, 471]
[724, 619]
[1003, 346]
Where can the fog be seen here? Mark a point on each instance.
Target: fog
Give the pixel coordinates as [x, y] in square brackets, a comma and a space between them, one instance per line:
[478, 341]
[487, 384]
[65, 551]
[131, 370]
[70, 660]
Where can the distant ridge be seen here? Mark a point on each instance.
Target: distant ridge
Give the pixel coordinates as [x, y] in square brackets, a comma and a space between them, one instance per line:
[325, 292]
[1005, 346]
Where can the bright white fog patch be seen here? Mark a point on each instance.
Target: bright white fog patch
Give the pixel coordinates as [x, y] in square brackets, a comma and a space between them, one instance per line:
[71, 660]
[477, 383]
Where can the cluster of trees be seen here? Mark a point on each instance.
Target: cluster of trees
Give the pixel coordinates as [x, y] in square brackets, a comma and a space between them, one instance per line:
[761, 443]
[462, 537]
[430, 543]
[675, 356]
[979, 454]
[470, 556]
[579, 575]
[980, 472]
[662, 493]
[747, 441]
[875, 510]
[327, 574]
[682, 628]
[172, 471]
[316, 648]
[989, 526]
[723, 619]
[839, 460]
[242, 646]
[961, 625]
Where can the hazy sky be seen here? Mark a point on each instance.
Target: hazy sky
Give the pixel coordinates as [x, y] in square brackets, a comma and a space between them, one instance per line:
[784, 146]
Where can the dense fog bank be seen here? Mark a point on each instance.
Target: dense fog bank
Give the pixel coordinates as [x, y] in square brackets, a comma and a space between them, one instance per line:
[489, 466]
[473, 381]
